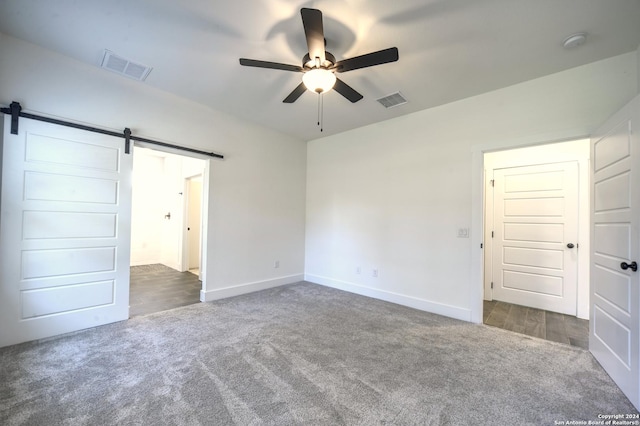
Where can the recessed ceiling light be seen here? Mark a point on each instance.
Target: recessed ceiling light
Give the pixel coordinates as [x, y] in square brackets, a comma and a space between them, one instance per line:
[574, 40]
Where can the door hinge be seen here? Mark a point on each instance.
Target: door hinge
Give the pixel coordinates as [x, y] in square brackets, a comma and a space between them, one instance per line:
[492, 182]
[481, 245]
[491, 234]
[491, 285]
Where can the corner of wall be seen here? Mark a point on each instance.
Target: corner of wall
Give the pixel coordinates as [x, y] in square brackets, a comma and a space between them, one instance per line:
[1, 149]
[419, 303]
[638, 69]
[238, 290]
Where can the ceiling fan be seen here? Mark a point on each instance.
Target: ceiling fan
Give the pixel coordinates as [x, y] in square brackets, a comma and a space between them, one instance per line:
[319, 66]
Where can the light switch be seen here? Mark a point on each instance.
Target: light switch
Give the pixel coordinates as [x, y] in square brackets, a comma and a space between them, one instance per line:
[463, 232]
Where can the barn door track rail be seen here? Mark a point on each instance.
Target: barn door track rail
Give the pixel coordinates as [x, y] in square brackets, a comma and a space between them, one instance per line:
[15, 110]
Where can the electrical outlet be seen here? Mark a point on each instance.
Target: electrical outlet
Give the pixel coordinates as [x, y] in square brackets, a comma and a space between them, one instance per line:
[358, 270]
[463, 232]
[276, 264]
[374, 272]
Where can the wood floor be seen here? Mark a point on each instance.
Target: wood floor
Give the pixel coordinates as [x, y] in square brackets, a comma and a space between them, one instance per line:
[538, 323]
[155, 288]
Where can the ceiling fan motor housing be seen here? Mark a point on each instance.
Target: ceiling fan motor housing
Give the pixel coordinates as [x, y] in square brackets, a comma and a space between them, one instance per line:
[308, 63]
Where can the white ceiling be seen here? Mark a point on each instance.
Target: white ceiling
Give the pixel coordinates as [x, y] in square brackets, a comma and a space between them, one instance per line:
[449, 49]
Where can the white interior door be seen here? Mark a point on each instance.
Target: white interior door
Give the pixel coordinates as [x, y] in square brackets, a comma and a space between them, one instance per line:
[614, 334]
[65, 226]
[535, 245]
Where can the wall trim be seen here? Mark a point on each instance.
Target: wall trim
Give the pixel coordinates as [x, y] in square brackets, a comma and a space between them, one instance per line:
[388, 296]
[237, 290]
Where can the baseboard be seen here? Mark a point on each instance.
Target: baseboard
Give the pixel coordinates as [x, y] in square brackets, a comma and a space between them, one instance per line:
[237, 290]
[388, 296]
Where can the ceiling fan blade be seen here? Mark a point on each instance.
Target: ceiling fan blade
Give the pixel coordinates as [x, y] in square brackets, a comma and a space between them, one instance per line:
[297, 92]
[347, 91]
[368, 60]
[314, 31]
[271, 65]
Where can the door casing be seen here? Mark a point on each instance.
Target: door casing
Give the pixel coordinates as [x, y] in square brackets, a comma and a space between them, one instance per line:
[565, 151]
[188, 227]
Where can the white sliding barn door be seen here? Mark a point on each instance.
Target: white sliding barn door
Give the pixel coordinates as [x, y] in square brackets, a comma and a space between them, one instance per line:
[65, 231]
[535, 245]
[614, 335]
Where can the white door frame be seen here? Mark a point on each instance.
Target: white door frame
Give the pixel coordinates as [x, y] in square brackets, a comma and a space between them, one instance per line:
[204, 217]
[476, 295]
[184, 235]
[554, 152]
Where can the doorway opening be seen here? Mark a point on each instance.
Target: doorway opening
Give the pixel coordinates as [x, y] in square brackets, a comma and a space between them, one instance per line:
[536, 241]
[193, 206]
[168, 200]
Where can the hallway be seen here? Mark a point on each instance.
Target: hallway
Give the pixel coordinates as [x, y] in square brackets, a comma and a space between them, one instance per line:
[155, 288]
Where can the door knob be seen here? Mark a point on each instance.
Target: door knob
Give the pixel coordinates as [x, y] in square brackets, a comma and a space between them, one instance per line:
[570, 245]
[633, 266]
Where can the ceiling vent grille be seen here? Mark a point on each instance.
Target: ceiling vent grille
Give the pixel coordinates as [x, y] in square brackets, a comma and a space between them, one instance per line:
[122, 66]
[392, 100]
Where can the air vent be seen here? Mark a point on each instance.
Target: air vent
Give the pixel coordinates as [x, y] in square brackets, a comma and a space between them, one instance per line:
[122, 66]
[392, 100]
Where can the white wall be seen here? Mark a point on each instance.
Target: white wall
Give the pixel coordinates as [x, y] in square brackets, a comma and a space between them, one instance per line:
[577, 151]
[257, 204]
[158, 190]
[392, 195]
[147, 209]
[389, 196]
[176, 169]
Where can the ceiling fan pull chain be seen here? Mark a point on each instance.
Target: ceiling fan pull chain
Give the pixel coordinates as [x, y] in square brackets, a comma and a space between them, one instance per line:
[321, 111]
[318, 109]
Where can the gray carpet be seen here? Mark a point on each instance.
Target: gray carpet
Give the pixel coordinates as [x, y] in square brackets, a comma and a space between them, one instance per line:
[301, 354]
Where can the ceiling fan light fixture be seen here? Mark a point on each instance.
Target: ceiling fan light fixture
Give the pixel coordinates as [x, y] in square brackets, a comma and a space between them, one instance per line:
[319, 80]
